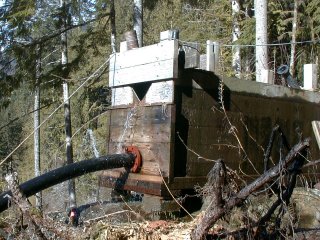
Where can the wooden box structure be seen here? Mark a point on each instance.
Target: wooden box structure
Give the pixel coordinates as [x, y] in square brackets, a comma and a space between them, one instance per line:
[172, 111]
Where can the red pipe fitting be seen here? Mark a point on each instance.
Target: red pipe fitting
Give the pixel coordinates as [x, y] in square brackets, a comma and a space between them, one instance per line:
[138, 159]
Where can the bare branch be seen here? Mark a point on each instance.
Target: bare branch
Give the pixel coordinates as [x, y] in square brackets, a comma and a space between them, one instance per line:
[214, 214]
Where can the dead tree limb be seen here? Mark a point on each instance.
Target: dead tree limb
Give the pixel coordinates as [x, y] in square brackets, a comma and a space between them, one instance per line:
[22, 202]
[39, 224]
[267, 154]
[284, 194]
[212, 215]
[269, 148]
[217, 180]
[312, 163]
[283, 199]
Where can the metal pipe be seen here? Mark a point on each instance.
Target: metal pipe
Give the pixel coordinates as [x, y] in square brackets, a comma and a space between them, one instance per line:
[67, 172]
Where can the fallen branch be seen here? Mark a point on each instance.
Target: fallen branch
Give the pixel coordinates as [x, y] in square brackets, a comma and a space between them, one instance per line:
[212, 216]
[23, 204]
[312, 163]
[39, 224]
[269, 148]
[106, 216]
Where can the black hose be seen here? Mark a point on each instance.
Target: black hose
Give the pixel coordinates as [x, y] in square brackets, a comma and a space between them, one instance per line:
[67, 172]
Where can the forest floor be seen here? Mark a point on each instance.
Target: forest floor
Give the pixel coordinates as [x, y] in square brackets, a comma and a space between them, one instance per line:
[123, 221]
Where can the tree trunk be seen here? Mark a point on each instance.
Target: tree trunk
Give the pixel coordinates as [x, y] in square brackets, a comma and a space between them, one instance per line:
[261, 38]
[113, 26]
[69, 148]
[294, 39]
[138, 20]
[36, 116]
[236, 60]
[67, 114]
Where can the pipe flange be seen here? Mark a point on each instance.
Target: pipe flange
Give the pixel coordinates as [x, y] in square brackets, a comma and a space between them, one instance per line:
[138, 159]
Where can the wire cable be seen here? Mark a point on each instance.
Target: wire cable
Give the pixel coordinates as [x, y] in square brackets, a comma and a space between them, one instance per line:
[255, 45]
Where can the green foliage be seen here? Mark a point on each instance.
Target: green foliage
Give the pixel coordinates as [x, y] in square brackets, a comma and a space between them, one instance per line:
[12, 129]
[313, 11]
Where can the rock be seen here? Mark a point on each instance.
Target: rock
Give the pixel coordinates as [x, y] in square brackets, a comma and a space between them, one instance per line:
[317, 186]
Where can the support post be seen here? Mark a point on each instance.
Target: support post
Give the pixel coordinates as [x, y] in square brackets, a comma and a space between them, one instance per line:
[212, 56]
[216, 51]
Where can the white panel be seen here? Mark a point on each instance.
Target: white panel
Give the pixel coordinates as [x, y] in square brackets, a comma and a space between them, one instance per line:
[160, 92]
[122, 96]
[166, 35]
[310, 81]
[144, 64]
[123, 46]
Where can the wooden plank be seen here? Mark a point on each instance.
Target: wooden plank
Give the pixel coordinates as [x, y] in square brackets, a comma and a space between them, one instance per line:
[155, 156]
[156, 133]
[160, 92]
[133, 182]
[150, 63]
[141, 115]
[151, 131]
[140, 56]
[143, 73]
[118, 172]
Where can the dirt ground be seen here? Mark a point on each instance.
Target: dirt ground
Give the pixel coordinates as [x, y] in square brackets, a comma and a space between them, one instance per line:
[124, 220]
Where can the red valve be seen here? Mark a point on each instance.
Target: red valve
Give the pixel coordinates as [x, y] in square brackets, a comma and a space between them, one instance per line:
[138, 159]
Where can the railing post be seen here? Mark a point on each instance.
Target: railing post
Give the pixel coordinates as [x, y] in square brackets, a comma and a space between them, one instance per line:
[212, 56]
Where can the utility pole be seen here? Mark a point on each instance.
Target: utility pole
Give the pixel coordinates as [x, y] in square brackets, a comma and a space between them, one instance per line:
[138, 20]
[67, 114]
[260, 7]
